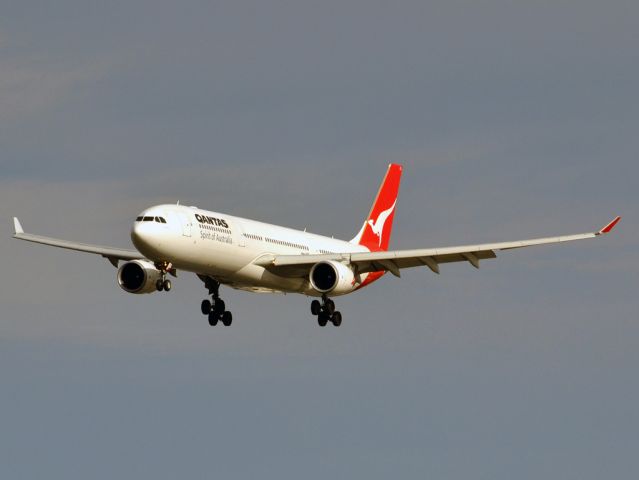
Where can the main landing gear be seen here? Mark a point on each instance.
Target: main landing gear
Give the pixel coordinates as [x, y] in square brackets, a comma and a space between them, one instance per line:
[325, 311]
[163, 283]
[215, 308]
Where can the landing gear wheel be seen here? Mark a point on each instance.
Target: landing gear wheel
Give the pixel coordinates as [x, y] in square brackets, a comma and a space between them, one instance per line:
[325, 312]
[316, 307]
[206, 307]
[219, 305]
[159, 285]
[322, 319]
[215, 308]
[167, 285]
[329, 306]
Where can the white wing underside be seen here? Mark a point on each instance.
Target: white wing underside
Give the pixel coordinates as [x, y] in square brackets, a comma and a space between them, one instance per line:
[393, 261]
[110, 253]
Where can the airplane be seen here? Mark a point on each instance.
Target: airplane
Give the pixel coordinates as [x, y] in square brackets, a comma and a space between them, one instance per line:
[259, 257]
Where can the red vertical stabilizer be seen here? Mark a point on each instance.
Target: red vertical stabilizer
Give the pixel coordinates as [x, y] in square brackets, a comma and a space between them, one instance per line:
[376, 231]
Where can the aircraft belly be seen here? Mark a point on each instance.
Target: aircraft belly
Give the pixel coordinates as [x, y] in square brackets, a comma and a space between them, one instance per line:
[231, 265]
[202, 256]
[255, 277]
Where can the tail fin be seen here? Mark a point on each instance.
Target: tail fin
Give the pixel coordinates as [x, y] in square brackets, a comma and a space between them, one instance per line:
[376, 231]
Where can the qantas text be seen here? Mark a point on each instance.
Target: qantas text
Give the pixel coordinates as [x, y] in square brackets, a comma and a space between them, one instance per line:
[211, 221]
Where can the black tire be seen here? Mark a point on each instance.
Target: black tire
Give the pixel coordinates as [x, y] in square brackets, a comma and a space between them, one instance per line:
[227, 318]
[219, 305]
[213, 318]
[336, 319]
[159, 285]
[329, 306]
[322, 319]
[167, 285]
[316, 307]
[206, 307]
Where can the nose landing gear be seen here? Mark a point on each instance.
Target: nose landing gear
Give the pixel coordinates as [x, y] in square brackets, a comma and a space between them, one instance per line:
[164, 283]
[325, 311]
[215, 308]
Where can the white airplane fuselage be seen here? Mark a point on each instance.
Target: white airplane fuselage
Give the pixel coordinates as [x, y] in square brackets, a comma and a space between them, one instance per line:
[225, 247]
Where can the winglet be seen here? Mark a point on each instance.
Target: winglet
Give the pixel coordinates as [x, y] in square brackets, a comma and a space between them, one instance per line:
[608, 228]
[17, 228]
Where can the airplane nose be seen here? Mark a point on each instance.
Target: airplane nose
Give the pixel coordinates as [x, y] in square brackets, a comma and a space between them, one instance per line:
[140, 234]
[149, 237]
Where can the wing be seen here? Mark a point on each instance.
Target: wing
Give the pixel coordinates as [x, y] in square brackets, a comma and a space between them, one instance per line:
[393, 261]
[111, 254]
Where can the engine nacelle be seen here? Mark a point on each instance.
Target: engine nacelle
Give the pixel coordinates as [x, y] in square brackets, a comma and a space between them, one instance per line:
[138, 276]
[332, 277]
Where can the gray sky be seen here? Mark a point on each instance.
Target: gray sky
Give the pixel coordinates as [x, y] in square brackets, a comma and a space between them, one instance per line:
[513, 119]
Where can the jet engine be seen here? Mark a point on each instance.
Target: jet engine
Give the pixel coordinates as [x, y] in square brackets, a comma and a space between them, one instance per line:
[332, 277]
[138, 276]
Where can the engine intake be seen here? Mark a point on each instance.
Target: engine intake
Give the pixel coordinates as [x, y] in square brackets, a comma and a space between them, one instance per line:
[138, 276]
[332, 277]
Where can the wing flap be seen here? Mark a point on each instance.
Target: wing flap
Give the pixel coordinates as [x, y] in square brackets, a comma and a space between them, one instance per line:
[430, 261]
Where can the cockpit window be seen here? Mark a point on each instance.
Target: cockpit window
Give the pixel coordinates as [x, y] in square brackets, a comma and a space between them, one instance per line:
[151, 219]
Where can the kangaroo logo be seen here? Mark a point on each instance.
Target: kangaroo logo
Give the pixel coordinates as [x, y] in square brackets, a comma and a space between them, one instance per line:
[378, 225]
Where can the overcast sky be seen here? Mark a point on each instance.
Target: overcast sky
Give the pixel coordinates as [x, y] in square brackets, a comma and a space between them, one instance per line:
[512, 119]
